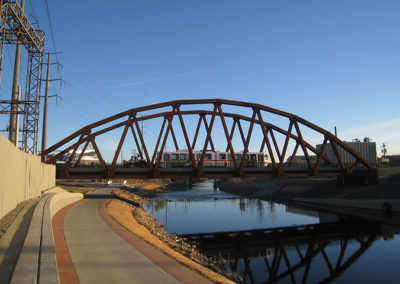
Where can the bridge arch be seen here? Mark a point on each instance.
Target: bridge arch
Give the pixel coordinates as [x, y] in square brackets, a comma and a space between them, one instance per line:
[185, 118]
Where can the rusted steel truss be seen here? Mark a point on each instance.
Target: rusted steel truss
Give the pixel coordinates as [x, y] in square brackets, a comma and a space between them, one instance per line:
[175, 121]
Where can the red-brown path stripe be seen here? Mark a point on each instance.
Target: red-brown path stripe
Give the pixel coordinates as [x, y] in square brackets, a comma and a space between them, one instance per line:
[166, 263]
[66, 271]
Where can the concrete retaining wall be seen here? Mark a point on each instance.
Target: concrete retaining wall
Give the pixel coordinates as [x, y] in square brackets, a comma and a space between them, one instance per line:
[388, 171]
[22, 176]
[370, 204]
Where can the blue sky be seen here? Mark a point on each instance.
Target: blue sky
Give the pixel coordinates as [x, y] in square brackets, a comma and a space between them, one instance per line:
[334, 63]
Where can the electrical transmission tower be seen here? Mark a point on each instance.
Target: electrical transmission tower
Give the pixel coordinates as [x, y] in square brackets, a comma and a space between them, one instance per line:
[15, 28]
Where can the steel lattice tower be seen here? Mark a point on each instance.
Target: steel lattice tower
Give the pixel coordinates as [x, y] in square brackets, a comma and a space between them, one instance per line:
[15, 28]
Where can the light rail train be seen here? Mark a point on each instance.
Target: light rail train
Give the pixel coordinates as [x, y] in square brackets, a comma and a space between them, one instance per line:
[181, 158]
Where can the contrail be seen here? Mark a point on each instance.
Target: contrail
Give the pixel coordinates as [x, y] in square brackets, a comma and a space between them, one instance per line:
[144, 82]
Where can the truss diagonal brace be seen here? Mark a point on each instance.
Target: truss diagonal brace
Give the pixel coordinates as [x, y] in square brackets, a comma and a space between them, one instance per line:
[186, 138]
[221, 114]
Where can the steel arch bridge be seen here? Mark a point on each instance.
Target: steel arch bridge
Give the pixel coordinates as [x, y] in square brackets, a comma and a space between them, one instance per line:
[281, 136]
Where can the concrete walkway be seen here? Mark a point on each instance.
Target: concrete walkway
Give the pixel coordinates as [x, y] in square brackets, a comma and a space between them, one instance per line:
[99, 255]
[102, 251]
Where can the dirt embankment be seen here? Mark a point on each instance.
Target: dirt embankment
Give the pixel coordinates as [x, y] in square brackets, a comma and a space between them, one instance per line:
[139, 222]
[149, 188]
[285, 189]
[80, 186]
[274, 189]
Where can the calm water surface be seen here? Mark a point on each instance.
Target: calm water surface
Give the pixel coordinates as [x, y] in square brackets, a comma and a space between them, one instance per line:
[336, 249]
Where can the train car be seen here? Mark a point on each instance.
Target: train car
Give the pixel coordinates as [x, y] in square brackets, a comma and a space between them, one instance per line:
[181, 158]
[88, 159]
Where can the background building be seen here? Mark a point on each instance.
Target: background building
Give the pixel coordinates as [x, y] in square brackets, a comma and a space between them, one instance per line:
[365, 148]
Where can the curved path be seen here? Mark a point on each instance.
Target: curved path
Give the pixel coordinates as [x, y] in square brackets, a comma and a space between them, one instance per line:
[101, 251]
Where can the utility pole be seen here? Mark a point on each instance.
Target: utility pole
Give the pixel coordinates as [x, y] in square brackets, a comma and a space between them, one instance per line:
[13, 127]
[46, 98]
[384, 150]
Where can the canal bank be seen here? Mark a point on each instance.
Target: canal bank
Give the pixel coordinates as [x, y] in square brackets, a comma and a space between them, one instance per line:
[384, 196]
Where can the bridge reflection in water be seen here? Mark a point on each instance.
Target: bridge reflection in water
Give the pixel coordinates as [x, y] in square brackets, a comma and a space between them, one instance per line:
[293, 254]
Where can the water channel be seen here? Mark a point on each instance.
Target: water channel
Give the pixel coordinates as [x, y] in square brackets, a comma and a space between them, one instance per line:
[275, 243]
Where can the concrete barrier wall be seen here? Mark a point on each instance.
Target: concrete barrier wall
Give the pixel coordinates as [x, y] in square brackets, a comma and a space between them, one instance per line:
[48, 265]
[37, 260]
[22, 176]
[60, 200]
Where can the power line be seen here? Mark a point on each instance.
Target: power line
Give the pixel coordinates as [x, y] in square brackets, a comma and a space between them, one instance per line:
[82, 110]
[91, 89]
[33, 14]
[87, 95]
[51, 30]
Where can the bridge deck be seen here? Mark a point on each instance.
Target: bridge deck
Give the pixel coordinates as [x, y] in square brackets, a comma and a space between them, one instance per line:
[84, 173]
